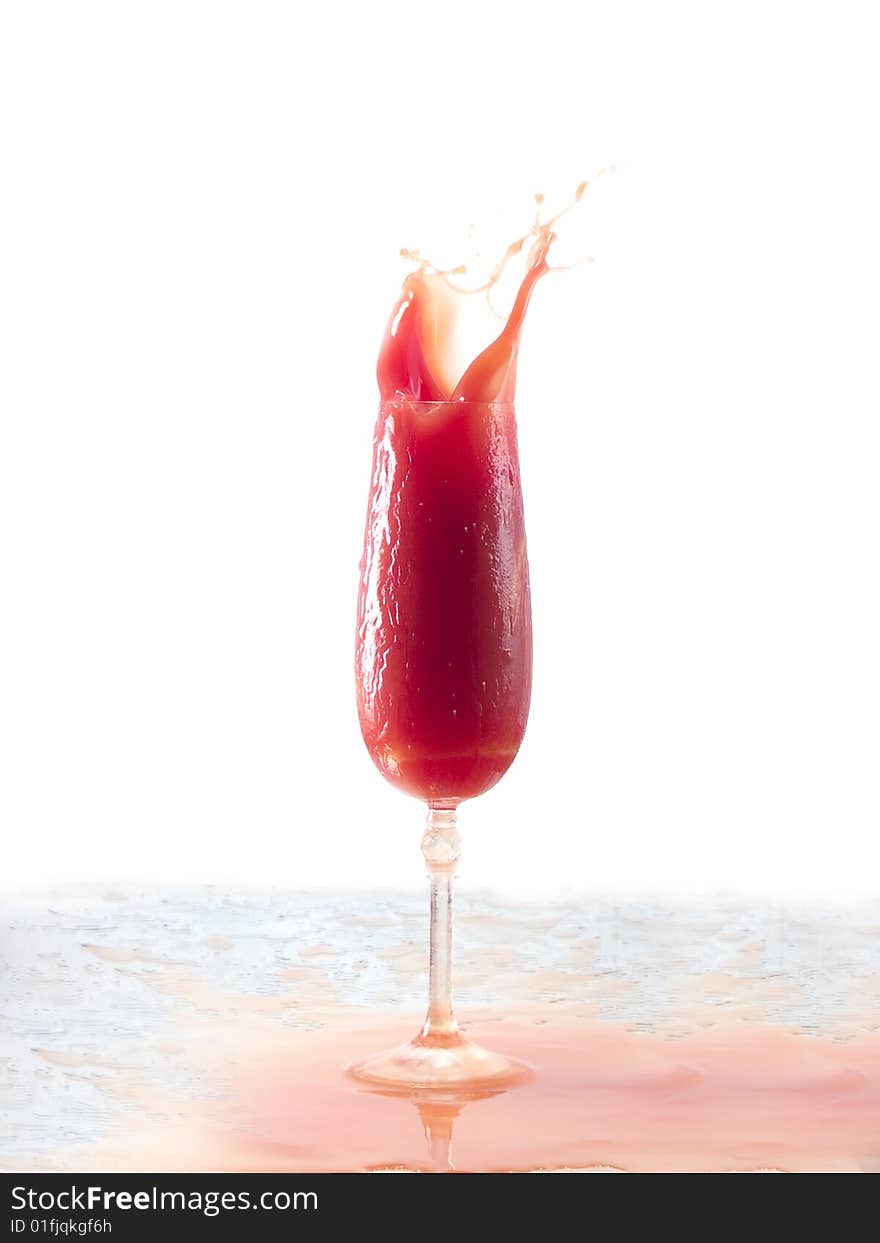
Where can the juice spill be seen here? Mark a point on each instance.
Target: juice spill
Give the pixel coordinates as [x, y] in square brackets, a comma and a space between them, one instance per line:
[444, 637]
[211, 1030]
[739, 1097]
[727, 1099]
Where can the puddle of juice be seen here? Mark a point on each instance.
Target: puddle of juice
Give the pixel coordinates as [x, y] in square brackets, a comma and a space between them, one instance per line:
[726, 1099]
[729, 1098]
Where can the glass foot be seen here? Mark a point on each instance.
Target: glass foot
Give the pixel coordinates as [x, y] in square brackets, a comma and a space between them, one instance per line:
[440, 1062]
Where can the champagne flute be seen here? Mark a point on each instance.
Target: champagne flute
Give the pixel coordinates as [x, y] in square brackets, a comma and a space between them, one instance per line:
[443, 667]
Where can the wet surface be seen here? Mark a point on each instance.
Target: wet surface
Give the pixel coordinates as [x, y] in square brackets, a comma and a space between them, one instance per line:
[203, 1029]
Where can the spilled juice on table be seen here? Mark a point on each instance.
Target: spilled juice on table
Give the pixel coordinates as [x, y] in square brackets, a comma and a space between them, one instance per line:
[728, 1096]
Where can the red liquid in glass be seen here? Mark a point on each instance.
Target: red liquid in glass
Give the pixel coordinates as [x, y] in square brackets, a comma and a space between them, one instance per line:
[445, 637]
[444, 640]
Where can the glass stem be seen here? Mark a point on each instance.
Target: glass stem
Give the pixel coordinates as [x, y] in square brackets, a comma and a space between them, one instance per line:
[441, 846]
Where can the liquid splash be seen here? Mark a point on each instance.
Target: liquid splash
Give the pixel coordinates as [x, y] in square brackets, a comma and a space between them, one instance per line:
[414, 361]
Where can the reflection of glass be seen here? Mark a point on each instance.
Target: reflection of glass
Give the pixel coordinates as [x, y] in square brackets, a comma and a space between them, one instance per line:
[437, 1120]
[438, 1110]
[444, 663]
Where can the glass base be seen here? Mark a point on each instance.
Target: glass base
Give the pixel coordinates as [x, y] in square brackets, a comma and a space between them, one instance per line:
[437, 1063]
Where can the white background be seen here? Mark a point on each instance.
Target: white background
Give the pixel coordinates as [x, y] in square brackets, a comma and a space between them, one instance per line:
[201, 214]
